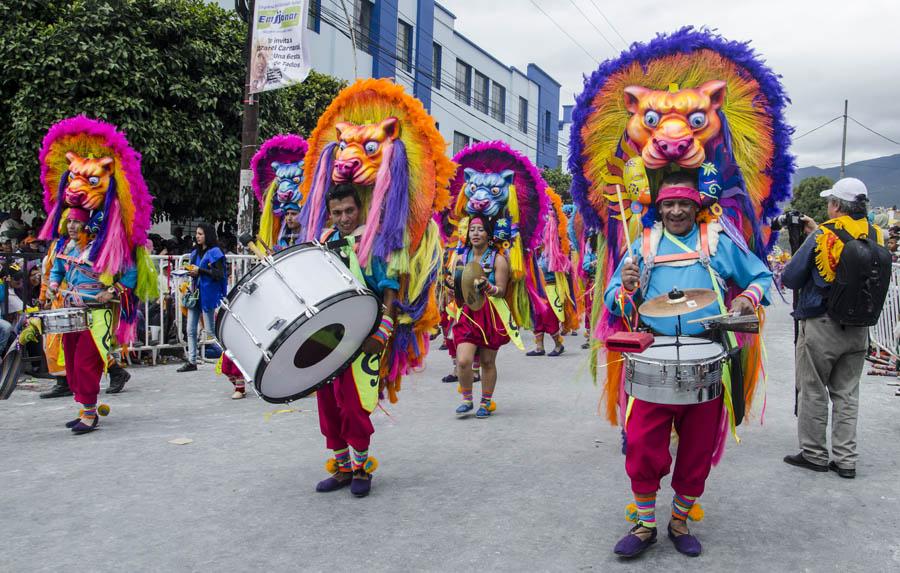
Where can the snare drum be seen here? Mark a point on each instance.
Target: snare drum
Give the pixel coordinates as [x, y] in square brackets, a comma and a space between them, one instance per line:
[64, 320]
[293, 325]
[690, 373]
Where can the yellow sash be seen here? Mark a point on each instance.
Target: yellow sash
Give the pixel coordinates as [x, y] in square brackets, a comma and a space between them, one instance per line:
[512, 328]
[101, 331]
[365, 374]
[557, 303]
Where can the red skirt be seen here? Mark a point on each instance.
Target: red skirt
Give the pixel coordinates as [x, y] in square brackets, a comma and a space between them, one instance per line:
[483, 327]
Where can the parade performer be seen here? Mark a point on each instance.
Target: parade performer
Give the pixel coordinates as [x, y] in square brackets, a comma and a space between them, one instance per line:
[381, 142]
[505, 190]
[483, 331]
[99, 211]
[277, 174]
[692, 103]
[560, 313]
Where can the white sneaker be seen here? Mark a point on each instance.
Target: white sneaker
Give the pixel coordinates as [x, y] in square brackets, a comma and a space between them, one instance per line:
[237, 395]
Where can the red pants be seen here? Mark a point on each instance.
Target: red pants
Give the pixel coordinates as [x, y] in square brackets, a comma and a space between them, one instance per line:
[84, 366]
[545, 321]
[647, 457]
[342, 418]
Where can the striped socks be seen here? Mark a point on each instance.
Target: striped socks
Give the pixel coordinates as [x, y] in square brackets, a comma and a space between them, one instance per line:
[359, 459]
[89, 411]
[467, 396]
[342, 457]
[646, 509]
[681, 506]
[486, 398]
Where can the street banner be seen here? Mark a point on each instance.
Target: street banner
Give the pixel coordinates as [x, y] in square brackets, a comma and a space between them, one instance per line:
[279, 51]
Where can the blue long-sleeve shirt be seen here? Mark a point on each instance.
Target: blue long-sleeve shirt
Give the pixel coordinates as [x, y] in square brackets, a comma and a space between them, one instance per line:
[72, 266]
[801, 274]
[730, 262]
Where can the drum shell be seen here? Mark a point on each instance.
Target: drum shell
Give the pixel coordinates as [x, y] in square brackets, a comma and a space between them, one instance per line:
[64, 320]
[274, 314]
[690, 380]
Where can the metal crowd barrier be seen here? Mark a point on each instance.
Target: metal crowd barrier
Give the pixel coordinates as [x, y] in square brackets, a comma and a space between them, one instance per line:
[154, 336]
[883, 335]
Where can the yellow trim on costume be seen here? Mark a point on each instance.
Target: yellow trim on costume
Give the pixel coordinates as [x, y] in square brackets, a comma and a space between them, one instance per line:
[365, 369]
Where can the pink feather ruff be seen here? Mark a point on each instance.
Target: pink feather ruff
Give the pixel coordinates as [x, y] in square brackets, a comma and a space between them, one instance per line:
[494, 157]
[284, 148]
[128, 161]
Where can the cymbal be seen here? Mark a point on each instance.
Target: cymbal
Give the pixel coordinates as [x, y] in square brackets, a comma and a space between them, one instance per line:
[677, 302]
[465, 290]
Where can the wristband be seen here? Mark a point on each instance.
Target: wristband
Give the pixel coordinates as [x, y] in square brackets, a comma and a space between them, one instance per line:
[492, 290]
[754, 294]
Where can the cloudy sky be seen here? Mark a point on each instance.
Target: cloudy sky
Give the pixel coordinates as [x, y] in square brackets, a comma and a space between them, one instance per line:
[826, 50]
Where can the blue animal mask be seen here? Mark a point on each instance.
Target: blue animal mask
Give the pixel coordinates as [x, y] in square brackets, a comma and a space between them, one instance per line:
[487, 193]
[287, 194]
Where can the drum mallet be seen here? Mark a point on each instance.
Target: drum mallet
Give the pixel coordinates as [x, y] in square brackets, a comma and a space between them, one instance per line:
[84, 295]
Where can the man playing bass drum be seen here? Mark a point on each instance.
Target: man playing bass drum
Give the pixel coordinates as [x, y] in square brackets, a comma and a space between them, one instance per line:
[346, 403]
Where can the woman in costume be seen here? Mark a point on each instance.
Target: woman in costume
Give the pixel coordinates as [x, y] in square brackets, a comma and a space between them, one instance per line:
[680, 138]
[99, 212]
[481, 332]
[381, 143]
[207, 269]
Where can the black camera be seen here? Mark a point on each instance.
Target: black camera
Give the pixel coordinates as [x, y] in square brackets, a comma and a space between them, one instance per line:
[793, 222]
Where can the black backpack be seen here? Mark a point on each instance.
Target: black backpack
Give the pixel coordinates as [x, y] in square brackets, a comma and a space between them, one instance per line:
[861, 280]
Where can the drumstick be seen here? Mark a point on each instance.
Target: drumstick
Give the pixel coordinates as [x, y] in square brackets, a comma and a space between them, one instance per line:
[624, 222]
[84, 295]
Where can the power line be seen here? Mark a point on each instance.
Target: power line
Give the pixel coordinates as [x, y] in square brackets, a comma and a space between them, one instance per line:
[818, 128]
[591, 22]
[610, 23]
[873, 131]
[561, 29]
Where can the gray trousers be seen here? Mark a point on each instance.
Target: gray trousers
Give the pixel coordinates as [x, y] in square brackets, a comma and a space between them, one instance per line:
[830, 359]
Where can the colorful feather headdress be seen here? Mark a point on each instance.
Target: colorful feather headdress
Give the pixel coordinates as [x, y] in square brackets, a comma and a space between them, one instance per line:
[380, 139]
[410, 187]
[123, 215]
[691, 101]
[277, 167]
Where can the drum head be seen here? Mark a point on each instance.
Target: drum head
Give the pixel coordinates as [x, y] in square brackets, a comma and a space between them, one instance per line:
[692, 350]
[312, 351]
[9, 371]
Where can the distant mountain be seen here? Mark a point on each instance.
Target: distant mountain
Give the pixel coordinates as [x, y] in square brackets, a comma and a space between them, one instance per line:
[881, 176]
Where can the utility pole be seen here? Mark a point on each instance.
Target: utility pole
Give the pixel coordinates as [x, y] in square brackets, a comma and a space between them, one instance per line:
[844, 142]
[249, 136]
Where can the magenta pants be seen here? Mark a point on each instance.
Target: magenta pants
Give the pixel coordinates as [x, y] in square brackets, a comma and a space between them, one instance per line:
[545, 321]
[84, 366]
[647, 457]
[342, 418]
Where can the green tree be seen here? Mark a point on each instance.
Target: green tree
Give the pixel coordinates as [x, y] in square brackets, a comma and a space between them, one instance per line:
[560, 181]
[806, 197]
[169, 73]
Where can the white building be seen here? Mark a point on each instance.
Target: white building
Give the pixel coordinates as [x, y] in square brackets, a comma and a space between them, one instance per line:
[472, 95]
[565, 132]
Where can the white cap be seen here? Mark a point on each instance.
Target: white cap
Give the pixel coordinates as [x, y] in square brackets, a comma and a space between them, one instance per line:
[847, 189]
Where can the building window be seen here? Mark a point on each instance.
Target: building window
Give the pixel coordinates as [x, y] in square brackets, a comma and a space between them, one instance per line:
[463, 82]
[482, 91]
[460, 142]
[498, 102]
[436, 62]
[363, 31]
[547, 121]
[405, 45]
[523, 115]
[314, 21]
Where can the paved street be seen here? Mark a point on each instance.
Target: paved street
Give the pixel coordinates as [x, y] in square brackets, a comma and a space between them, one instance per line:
[540, 486]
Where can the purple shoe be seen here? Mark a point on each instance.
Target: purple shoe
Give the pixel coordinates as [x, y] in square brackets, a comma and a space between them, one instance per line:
[71, 424]
[333, 483]
[361, 483]
[535, 353]
[686, 544]
[631, 545]
[82, 428]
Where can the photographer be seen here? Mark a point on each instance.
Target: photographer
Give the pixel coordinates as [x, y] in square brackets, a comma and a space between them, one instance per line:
[831, 348]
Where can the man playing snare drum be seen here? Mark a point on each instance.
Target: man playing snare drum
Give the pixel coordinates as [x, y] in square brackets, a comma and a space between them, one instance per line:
[345, 404]
[701, 257]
